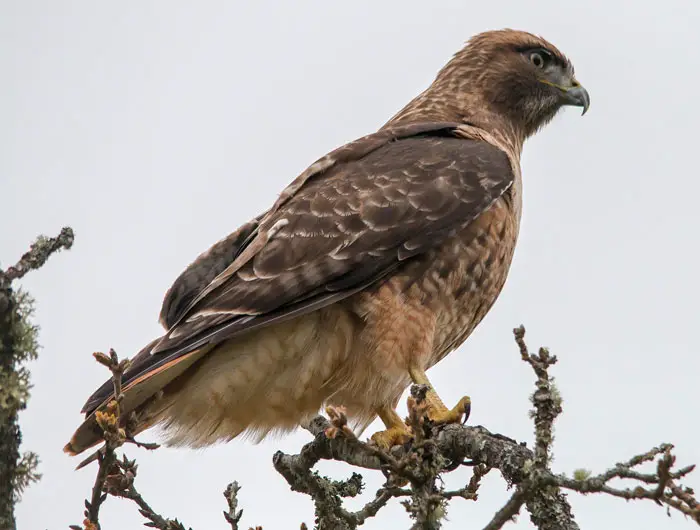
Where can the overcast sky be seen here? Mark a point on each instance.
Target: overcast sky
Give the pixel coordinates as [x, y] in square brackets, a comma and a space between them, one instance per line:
[154, 128]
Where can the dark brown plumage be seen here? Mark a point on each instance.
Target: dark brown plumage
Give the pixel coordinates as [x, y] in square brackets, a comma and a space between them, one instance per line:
[369, 268]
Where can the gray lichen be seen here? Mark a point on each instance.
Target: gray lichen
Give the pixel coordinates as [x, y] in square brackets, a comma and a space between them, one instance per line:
[18, 345]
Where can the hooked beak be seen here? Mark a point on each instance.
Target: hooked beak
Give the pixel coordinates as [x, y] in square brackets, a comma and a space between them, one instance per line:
[577, 96]
[572, 92]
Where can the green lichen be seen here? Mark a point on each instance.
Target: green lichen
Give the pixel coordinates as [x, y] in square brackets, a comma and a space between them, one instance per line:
[581, 474]
[18, 345]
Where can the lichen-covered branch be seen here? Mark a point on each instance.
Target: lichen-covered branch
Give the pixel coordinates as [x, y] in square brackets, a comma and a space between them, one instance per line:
[328, 494]
[37, 255]
[18, 344]
[412, 469]
[663, 485]
[233, 515]
[457, 445]
[116, 476]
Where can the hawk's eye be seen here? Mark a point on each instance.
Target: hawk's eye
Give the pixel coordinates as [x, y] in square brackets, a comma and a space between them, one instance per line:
[537, 59]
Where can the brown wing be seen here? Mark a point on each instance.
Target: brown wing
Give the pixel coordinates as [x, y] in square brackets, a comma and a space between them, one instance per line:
[352, 218]
[202, 271]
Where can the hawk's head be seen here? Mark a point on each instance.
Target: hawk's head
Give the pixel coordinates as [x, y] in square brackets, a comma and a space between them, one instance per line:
[523, 76]
[512, 77]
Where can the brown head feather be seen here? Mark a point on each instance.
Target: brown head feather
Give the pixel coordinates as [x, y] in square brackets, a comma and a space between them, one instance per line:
[491, 83]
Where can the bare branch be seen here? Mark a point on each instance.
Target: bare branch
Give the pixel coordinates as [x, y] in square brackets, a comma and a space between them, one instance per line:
[470, 491]
[116, 477]
[38, 254]
[114, 436]
[663, 490]
[509, 511]
[233, 515]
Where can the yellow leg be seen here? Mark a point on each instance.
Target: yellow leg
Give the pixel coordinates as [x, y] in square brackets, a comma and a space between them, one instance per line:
[396, 433]
[437, 411]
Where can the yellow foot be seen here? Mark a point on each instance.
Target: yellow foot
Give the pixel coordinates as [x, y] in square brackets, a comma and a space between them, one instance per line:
[436, 410]
[397, 435]
[440, 414]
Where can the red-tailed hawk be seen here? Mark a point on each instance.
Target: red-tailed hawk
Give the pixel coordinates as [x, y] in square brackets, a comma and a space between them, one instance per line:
[371, 266]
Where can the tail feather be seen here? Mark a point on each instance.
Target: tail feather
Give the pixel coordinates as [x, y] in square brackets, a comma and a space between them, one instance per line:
[137, 394]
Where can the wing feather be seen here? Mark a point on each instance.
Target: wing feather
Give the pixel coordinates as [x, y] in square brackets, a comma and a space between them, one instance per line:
[202, 271]
[347, 222]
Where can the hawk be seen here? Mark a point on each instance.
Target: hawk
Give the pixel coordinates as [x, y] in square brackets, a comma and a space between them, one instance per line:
[375, 263]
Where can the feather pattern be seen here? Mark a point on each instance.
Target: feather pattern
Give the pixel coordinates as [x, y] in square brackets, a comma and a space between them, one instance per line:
[355, 216]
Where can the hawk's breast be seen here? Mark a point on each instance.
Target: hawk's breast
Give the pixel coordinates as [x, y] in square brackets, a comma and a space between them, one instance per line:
[466, 274]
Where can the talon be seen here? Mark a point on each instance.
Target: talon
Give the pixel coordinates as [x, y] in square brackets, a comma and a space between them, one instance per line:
[467, 403]
[439, 414]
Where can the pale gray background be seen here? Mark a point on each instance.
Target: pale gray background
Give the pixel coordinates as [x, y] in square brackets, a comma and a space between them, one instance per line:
[155, 128]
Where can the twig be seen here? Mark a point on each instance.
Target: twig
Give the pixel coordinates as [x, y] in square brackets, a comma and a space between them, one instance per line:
[509, 510]
[233, 515]
[470, 491]
[116, 477]
[663, 490]
[546, 398]
[114, 436]
[554, 512]
[149, 446]
[155, 520]
[38, 254]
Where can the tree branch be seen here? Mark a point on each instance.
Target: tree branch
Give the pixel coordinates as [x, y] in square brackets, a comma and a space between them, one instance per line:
[116, 477]
[413, 471]
[38, 254]
[537, 487]
[509, 511]
[18, 344]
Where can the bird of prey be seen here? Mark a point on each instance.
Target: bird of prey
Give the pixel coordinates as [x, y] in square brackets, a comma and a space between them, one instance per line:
[371, 266]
